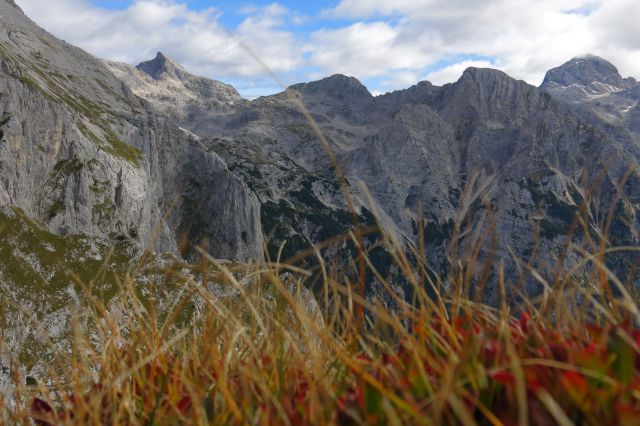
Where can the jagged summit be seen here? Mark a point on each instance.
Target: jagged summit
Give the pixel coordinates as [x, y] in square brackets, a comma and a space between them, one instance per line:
[161, 66]
[484, 85]
[589, 71]
[172, 88]
[594, 84]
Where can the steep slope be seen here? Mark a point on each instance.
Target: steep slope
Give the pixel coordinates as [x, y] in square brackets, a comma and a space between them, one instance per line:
[90, 176]
[82, 154]
[410, 163]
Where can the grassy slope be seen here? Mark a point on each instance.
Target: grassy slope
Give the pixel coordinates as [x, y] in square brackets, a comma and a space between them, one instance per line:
[41, 261]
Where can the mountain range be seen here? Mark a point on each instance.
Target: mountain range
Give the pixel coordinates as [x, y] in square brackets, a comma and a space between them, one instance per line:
[156, 158]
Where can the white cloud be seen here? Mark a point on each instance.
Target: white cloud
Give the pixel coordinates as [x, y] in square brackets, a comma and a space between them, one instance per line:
[524, 38]
[389, 42]
[364, 50]
[196, 39]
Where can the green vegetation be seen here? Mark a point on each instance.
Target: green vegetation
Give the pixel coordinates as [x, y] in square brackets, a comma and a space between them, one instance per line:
[98, 186]
[56, 208]
[29, 82]
[62, 172]
[212, 343]
[51, 86]
[113, 145]
[42, 262]
[120, 149]
[118, 337]
[68, 167]
[102, 213]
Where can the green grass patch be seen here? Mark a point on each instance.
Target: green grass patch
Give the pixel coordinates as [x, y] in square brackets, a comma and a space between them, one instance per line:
[122, 150]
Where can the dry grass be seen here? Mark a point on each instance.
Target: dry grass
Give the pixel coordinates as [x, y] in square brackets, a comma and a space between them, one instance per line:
[268, 354]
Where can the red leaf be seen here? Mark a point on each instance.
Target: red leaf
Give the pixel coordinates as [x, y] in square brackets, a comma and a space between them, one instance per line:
[490, 350]
[636, 337]
[364, 359]
[559, 352]
[40, 407]
[575, 381]
[524, 321]
[184, 404]
[504, 378]
[301, 392]
[591, 348]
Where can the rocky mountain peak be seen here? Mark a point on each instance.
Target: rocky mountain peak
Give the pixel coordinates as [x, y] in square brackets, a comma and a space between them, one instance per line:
[483, 75]
[589, 71]
[337, 86]
[483, 84]
[161, 66]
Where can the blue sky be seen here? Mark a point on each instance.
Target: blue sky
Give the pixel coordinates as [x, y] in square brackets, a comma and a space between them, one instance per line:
[387, 44]
[234, 12]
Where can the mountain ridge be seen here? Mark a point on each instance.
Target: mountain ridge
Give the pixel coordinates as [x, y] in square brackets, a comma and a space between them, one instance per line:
[162, 64]
[490, 123]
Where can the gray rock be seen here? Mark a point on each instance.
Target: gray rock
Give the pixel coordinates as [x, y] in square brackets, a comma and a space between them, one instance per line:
[84, 155]
[175, 92]
[103, 162]
[593, 86]
[417, 149]
[587, 71]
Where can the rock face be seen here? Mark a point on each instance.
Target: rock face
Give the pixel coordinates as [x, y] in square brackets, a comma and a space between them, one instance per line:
[174, 91]
[95, 154]
[588, 71]
[594, 85]
[90, 175]
[115, 147]
[417, 149]
[82, 154]
[594, 90]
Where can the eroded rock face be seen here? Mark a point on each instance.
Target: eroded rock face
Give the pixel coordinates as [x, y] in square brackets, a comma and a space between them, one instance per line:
[588, 71]
[593, 85]
[221, 170]
[417, 149]
[90, 175]
[84, 155]
[174, 91]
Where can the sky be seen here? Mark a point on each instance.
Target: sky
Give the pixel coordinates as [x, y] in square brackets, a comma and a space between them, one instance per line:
[386, 44]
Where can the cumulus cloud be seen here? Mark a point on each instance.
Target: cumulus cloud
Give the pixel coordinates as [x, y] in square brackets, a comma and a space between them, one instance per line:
[364, 50]
[390, 44]
[523, 37]
[194, 38]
